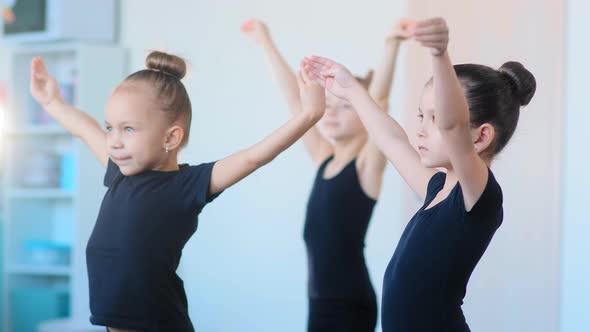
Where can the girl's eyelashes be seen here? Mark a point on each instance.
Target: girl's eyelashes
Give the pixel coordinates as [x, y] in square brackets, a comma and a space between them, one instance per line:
[127, 129]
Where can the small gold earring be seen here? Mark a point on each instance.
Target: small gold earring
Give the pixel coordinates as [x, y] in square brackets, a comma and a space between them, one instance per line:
[166, 149]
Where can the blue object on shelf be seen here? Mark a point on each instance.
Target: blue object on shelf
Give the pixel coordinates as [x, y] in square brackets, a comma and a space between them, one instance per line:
[47, 253]
[67, 169]
[33, 305]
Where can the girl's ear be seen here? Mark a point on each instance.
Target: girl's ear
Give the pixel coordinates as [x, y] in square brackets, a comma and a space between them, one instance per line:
[174, 137]
[483, 137]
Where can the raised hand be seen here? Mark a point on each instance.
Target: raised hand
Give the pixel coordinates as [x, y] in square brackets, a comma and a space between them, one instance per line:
[402, 30]
[256, 30]
[313, 96]
[333, 76]
[44, 88]
[434, 34]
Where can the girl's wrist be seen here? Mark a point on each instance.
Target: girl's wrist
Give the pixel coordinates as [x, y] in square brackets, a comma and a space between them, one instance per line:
[355, 93]
[393, 41]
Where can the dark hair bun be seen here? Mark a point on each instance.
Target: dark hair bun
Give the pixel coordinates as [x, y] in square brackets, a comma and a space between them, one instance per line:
[166, 63]
[522, 81]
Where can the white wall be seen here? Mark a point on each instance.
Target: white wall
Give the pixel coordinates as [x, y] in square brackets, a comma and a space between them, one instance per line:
[245, 269]
[575, 266]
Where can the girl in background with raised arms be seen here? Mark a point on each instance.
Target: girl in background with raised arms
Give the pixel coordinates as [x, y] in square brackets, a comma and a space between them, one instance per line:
[345, 190]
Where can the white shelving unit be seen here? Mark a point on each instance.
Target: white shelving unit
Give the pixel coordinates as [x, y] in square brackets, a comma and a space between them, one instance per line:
[52, 184]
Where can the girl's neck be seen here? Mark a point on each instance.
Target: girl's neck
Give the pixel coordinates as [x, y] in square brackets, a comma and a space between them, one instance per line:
[451, 178]
[345, 151]
[169, 163]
